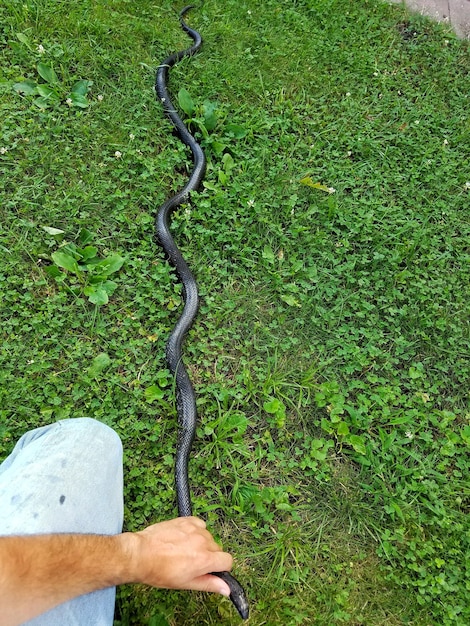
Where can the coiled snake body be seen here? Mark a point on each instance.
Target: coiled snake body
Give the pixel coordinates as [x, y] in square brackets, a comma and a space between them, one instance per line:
[185, 396]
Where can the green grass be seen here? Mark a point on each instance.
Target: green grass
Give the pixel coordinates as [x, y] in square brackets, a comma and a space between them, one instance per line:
[331, 352]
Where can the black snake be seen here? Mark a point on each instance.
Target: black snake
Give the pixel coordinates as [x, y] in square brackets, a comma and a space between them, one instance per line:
[185, 396]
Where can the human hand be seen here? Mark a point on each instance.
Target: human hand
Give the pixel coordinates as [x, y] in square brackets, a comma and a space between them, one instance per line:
[177, 554]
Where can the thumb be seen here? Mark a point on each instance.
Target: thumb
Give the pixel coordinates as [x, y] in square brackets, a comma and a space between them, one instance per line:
[210, 583]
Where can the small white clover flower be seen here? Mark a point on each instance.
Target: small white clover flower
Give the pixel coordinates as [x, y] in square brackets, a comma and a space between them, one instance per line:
[187, 213]
[409, 434]
[69, 102]
[331, 190]
[250, 203]
[118, 154]
[467, 185]
[100, 97]
[348, 93]
[445, 142]
[131, 136]
[40, 49]
[3, 150]
[416, 122]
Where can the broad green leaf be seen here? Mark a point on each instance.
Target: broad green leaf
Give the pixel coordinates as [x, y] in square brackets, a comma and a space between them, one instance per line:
[55, 272]
[399, 420]
[335, 414]
[186, 102]
[85, 237]
[42, 103]
[200, 123]
[109, 265]
[274, 406]
[22, 37]
[99, 364]
[268, 254]
[284, 506]
[357, 443]
[66, 261]
[208, 185]
[96, 294]
[290, 299]
[109, 286]
[307, 180]
[237, 131]
[318, 453]
[88, 252]
[394, 506]
[81, 87]
[47, 92]
[26, 87]
[162, 377]
[78, 100]
[153, 393]
[259, 504]
[235, 422]
[46, 72]
[72, 250]
[465, 432]
[228, 162]
[223, 178]
[210, 117]
[94, 279]
[218, 147]
[342, 429]
[415, 372]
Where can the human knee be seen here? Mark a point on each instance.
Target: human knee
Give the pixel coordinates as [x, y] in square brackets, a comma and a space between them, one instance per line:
[94, 432]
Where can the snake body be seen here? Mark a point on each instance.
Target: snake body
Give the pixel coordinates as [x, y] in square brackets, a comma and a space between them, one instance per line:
[185, 395]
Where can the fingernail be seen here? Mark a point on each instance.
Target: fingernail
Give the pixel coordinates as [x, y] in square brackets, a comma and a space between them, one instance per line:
[225, 591]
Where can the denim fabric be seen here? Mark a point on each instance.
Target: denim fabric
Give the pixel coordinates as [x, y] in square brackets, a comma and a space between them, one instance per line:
[66, 478]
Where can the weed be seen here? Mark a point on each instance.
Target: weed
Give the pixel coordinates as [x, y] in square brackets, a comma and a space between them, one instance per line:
[82, 263]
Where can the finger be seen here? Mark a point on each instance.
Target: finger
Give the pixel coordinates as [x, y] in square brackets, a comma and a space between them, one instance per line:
[211, 584]
[212, 545]
[219, 562]
[210, 562]
[197, 521]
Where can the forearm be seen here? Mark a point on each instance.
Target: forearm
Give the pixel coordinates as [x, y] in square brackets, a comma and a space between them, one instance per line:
[39, 572]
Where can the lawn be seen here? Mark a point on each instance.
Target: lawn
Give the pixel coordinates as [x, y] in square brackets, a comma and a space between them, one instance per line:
[330, 242]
